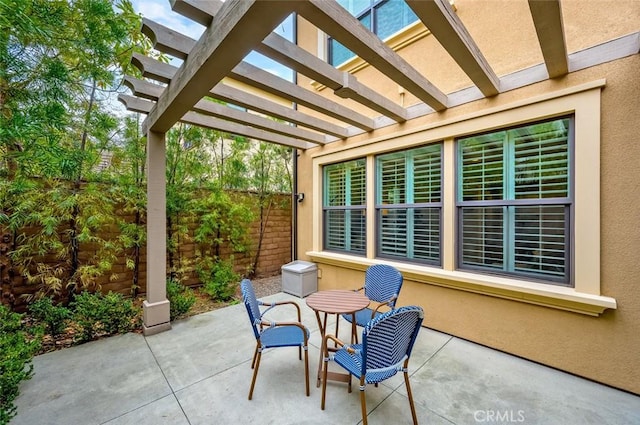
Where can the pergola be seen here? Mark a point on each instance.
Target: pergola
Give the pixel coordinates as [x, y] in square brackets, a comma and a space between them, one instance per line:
[236, 27]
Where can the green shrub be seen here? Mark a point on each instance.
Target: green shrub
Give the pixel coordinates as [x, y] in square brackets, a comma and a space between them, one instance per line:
[87, 312]
[54, 317]
[17, 347]
[181, 299]
[97, 314]
[219, 281]
[121, 316]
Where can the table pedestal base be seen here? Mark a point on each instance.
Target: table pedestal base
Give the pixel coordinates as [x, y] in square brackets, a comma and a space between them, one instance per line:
[335, 302]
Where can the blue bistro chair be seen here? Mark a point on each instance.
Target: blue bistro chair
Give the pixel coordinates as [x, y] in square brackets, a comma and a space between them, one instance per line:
[382, 285]
[386, 346]
[271, 334]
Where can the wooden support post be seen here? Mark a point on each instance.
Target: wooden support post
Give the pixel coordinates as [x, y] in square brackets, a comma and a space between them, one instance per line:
[156, 316]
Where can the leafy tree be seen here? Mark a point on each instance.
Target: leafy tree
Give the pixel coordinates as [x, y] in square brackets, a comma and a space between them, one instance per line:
[264, 168]
[60, 63]
[129, 162]
[229, 159]
[271, 169]
[270, 174]
[44, 250]
[187, 168]
[97, 54]
[58, 67]
[32, 78]
[223, 222]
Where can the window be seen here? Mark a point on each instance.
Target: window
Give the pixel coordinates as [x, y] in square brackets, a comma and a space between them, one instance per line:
[514, 201]
[520, 216]
[344, 207]
[382, 17]
[409, 204]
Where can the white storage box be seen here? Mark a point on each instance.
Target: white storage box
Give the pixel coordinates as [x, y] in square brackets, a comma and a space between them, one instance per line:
[300, 278]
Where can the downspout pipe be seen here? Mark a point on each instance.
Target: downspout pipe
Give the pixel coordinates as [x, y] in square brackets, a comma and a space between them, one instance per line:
[294, 159]
[294, 205]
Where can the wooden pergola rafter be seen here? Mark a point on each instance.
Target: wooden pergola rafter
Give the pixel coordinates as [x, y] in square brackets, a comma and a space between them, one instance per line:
[214, 74]
[188, 86]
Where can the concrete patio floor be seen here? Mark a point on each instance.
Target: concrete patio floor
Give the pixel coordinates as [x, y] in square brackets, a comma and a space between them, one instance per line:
[199, 373]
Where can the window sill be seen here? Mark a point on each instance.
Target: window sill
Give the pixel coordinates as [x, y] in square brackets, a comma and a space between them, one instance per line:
[557, 297]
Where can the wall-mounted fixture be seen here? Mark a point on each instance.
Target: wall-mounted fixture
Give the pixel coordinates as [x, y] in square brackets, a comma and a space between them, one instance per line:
[300, 197]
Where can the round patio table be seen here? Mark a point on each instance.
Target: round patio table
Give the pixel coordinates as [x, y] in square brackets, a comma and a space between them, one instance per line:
[336, 301]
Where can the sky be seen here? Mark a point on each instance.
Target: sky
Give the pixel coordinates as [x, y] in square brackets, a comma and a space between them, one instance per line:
[160, 12]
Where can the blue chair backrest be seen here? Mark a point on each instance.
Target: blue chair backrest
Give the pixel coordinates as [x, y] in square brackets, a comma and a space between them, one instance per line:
[381, 282]
[389, 337]
[251, 304]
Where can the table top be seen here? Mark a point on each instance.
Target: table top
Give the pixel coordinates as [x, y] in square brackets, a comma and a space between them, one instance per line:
[337, 301]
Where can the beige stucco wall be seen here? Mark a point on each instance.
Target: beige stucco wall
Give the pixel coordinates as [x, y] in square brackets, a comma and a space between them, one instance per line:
[605, 348]
[505, 34]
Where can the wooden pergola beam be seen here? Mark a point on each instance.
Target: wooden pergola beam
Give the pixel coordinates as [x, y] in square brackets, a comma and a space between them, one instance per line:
[145, 106]
[263, 80]
[200, 11]
[344, 84]
[135, 104]
[166, 40]
[252, 76]
[256, 77]
[150, 91]
[246, 131]
[259, 104]
[554, 65]
[164, 72]
[287, 53]
[223, 45]
[154, 69]
[241, 117]
[143, 89]
[282, 50]
[444, 24]
[331, 18]
[547, 18]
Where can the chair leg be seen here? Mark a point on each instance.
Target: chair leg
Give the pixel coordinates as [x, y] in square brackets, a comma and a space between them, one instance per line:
[306, 370]
[255, 374]
[255, 354]
[363, 402]
[410, 395]
[324, 384]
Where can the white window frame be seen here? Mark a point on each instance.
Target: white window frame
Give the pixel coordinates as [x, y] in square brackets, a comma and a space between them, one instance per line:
[582, 101]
